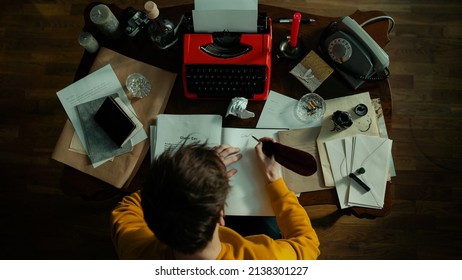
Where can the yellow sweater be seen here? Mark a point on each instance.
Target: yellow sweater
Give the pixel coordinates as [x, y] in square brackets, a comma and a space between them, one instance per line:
[134, 240]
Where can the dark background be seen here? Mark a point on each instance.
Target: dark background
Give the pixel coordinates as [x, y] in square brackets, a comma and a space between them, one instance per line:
[39, 55]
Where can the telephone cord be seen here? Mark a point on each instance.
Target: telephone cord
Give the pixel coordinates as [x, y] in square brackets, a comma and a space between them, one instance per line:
[379, 18]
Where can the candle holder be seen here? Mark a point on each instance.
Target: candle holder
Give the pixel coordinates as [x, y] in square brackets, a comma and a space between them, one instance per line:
[289, 52]
[292, 47]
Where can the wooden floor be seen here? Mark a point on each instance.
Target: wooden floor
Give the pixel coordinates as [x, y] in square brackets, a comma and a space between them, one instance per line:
[39, 55]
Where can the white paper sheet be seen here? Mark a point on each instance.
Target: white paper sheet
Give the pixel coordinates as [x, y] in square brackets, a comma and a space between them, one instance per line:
[248, 195]
[223, 15]
[279, 112]
[103, 82]
[91, 87]
[225, 4]
[173, 130]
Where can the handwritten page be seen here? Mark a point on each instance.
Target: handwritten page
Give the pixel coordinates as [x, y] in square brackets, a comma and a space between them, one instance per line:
[99, 84]
[173, 130]
[248, 195]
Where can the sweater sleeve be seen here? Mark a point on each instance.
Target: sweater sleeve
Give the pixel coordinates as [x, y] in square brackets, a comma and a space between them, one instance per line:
[130, 234]
[293, 221]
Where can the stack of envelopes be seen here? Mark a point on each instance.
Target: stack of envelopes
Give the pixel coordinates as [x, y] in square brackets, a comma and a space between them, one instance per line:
[347, 156]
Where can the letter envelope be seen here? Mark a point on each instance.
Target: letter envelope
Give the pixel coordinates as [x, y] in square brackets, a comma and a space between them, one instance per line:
[347, 155]
[373, 154]
[337, 153]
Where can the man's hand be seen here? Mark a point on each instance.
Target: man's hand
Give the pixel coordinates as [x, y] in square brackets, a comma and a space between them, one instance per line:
[228, 156]
[270, 166]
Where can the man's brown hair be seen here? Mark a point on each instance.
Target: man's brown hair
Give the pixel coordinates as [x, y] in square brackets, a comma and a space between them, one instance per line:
[183, 195]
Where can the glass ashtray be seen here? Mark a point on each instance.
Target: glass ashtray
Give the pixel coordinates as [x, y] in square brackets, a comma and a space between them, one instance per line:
[310, 108]
[138, 85]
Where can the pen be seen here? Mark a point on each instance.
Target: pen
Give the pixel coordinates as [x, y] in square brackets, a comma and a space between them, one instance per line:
[255, 138]
[360, 182]
[289, 20]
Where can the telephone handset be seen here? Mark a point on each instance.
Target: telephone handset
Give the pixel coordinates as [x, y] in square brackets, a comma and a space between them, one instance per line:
[353, 52]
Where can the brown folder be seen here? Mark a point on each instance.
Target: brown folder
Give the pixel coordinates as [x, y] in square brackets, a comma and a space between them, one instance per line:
[120, 171]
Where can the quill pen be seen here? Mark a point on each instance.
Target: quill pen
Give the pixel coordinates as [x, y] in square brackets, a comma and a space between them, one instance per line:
[296, 160]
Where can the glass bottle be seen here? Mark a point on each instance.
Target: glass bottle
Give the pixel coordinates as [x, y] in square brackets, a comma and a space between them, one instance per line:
[160, 31]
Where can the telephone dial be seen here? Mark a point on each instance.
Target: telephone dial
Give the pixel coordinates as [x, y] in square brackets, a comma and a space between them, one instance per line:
[353, 52]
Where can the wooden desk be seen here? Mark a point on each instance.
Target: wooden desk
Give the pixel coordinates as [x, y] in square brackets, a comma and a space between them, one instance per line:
[78, 183]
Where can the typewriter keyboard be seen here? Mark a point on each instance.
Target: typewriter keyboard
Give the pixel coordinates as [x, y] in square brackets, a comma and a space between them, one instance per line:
[215, 81]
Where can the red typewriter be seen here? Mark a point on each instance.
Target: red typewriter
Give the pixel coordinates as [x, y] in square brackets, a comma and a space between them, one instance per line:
[223, 65]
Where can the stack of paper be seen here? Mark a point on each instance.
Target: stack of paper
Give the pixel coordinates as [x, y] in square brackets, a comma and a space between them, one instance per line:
[109, 126]
[87, 95]
[346, 156]
[99, 85]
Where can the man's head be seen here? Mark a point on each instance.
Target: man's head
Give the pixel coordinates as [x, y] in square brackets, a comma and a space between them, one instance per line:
[184, 195]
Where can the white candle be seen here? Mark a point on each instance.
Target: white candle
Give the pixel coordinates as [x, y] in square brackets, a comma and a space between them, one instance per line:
[89, 42]
[106, 21]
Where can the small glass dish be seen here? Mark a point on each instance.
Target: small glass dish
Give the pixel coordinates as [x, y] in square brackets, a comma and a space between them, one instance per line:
[310, 108]
[138, 85]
